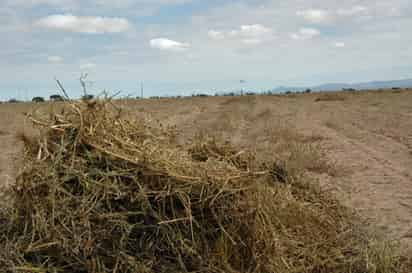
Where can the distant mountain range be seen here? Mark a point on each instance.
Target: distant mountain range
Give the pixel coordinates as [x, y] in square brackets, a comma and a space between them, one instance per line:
[406, 83]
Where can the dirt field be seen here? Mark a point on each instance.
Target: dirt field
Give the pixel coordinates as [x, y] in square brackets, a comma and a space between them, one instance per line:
[366, 137]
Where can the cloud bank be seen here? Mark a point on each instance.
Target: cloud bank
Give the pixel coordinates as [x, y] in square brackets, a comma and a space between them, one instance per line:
[84, 24]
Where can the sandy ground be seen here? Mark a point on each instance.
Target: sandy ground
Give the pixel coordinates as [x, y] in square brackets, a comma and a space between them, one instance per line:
[367, 135]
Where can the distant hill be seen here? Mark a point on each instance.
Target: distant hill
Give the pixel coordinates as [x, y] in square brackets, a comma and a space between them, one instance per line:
[406, 83]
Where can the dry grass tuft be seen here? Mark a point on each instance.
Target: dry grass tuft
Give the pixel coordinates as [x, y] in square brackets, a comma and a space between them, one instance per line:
[30, 142]
[299, 153]
[239, 100]
[330, 97]
[205, 147]
[108, 193]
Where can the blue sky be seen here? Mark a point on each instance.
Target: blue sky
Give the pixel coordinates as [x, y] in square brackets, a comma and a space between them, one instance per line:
[177, 47]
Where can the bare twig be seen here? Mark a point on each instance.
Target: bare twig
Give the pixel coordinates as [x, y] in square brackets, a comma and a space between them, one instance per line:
[62, 89]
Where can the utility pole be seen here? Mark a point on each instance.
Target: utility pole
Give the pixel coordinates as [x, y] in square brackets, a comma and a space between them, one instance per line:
[241, 88]
[141, 90]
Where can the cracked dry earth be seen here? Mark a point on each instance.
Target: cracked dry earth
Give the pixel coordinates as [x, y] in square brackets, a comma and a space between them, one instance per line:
[368, 135]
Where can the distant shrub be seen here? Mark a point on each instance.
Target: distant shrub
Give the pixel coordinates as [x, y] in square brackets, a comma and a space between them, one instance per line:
[307, 91]
[13, 101]
[330, 97]
[349, 89]
[56, 98]
[87, 97]
[200, 95]
[38, 99]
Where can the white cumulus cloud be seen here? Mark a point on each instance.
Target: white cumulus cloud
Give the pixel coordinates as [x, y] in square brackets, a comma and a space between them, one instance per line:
[355, 10]
[167, 44]
[54, 59]
[339, 44]
[87, 66]
[216, 35]
[305, 34]
[247, 34]
[256, 30]
[84, 24]
[252, 41]
[316, 16]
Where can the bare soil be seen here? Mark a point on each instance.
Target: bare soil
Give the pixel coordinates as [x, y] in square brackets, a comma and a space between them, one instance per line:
[366, 135]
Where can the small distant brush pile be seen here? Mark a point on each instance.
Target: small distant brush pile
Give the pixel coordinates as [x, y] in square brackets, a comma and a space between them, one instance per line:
[104, 192]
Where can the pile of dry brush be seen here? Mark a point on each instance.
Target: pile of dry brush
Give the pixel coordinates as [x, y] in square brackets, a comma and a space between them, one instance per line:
[104, 192]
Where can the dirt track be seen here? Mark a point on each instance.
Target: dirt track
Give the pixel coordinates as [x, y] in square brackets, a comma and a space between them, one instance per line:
[11, 122]
[368, 135]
